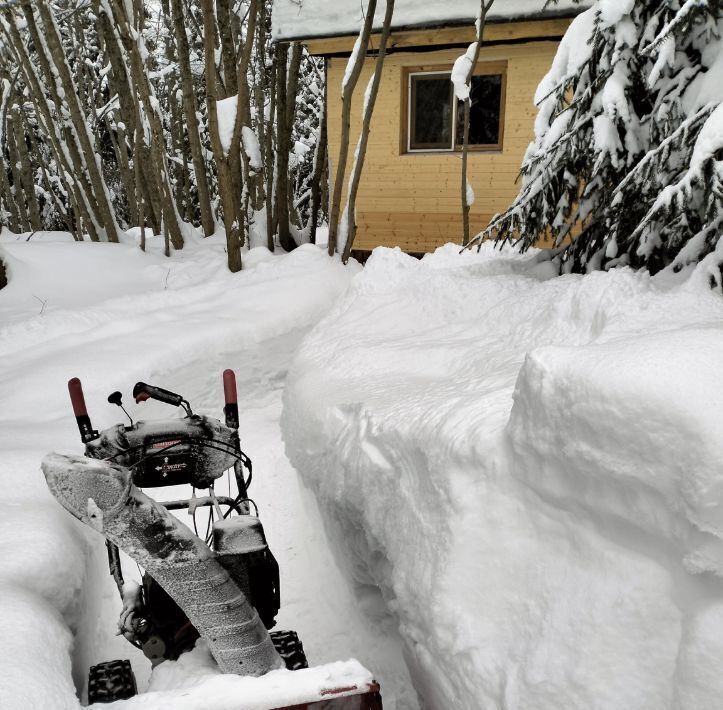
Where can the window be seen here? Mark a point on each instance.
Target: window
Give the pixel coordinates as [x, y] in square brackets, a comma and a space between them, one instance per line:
[432, 102]
[434, 119]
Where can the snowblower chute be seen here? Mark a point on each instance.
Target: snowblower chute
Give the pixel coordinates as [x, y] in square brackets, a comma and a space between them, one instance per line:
[221, 586]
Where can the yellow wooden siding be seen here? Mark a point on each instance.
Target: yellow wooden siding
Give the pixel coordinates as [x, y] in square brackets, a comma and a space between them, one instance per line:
[413, 200]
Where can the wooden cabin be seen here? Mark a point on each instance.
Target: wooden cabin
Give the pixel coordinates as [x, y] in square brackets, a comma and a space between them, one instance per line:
[410, 193]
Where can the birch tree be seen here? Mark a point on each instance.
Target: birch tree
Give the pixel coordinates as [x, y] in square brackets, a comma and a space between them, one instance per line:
[351, 78]
[348, 231]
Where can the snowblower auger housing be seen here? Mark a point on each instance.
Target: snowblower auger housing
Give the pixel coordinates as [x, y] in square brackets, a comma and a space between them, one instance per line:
[222, 586]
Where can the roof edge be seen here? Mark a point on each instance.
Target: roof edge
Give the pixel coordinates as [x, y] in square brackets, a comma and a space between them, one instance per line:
[541, 16]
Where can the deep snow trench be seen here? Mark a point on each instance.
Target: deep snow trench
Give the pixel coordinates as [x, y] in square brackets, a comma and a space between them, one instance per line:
[112, 317]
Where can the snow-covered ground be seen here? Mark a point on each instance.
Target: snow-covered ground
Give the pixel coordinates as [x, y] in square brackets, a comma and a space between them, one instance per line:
[531, 470]
[519, 475]
[112, 315]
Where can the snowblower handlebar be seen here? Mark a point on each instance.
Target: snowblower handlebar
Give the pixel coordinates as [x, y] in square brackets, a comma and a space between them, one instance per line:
[77, 399]
[231, 397]
[142, 392]
[75, 389]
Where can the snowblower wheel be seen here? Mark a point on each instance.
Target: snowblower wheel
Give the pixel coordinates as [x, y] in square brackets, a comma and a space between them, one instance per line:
[289, 647]
[109, 681]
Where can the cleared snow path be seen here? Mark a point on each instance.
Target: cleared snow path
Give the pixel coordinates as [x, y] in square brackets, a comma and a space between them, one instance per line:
[113, 316]
[317, 600]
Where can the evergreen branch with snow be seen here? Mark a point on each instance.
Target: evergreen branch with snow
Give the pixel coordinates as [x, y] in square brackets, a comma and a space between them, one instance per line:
[627, 162]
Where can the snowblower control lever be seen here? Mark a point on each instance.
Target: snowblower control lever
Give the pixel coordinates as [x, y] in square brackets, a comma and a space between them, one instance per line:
[231, 397]
[87, 433]
[142, 392]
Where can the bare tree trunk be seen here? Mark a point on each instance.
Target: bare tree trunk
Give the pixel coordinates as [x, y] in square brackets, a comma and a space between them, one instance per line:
[228, 51]
[149, 187]
[292, 90]
[26, 170]
[8, 199]
[137, 150]
[281, 215]
[79, 67]
[127, 176]
[371, 99]
[484, 9]
[261, 199]
[113, 137]
[176, 140]
[269, 157]
[320, 161]
[287, 85]
[189, 110]
[189, 213]
[244, 179]
[225, 181]
[354, 69]
[6, 196]
[17, 189]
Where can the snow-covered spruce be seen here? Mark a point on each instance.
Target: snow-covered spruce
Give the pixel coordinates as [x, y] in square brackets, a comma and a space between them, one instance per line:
[627, 159]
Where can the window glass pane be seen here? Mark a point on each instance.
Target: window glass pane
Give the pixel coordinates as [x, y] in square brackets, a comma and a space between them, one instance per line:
[431, 111]
[484, 117]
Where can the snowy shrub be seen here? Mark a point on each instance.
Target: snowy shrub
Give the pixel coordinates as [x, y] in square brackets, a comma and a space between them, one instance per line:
[626, 167]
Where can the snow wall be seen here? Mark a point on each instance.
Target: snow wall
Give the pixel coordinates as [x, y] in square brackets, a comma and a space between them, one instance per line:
[530, 468]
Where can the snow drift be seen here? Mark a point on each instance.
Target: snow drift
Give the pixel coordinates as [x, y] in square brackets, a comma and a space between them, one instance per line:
[529, 468]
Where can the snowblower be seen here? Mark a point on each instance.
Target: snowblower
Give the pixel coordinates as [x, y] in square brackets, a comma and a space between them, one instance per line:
[220, 585]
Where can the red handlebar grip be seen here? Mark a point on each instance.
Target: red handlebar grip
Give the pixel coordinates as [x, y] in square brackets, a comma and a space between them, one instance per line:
[229, 387]
[76, 398]
[142, 397]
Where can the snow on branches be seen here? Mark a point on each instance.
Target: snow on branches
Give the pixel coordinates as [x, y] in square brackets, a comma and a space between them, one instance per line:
[626, 167]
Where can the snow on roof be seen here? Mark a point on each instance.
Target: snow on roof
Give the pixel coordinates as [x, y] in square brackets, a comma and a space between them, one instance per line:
[304, 19]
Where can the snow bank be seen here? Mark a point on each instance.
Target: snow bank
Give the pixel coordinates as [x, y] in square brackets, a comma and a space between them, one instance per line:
[112, 315]
[530, 470]
[321, 18]
[194, 682]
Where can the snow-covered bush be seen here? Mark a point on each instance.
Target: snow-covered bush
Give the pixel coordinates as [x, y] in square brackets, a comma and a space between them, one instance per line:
[627, 162]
